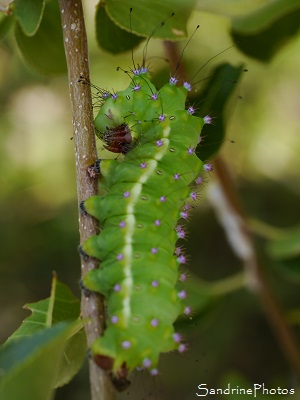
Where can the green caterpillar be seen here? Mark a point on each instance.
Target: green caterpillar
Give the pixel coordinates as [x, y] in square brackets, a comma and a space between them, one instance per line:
[147, 192]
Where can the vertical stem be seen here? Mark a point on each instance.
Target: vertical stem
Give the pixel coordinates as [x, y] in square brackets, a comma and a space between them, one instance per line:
[76, 50]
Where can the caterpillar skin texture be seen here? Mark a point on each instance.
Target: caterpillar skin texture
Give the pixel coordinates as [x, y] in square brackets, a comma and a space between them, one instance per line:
[145, 195]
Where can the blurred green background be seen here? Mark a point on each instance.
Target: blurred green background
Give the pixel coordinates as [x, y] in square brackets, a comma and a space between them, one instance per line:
[231, 341]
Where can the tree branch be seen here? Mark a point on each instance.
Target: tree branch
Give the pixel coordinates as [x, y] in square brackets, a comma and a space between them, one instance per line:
[76, 50]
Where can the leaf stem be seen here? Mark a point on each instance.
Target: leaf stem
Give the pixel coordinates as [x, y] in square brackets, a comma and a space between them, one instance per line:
[76, 50]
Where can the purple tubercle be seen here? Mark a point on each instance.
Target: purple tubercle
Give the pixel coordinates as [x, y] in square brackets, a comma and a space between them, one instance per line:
[186, 207]
[187, 310]
[207, 167]
[143, 165]
[193, 195]
[154, 372]
[190, 151]
[207, 119]
[180, 232]
[199, 180]
[161, 117]
[184, 214]
[155, 283]
[122, 224]
[120, 257]
[136, 88]
[143, 70]
[162, 199]
[139, 71]
[147, 363]
[183, 276]
[182, 260]
[182, 294]
[154, 322]
[191, 110]
[176, 177]
[154, 96]
[114, 96]
[159, 143]
[114, 319]
[178, 228]
[182, 348]
[177, 337]
[126, 344]
[178, 251]
[173, 80]
[117, 287]
[126, 194]
[157, 222]
[105, 95]
[187, 86]
[154, 250]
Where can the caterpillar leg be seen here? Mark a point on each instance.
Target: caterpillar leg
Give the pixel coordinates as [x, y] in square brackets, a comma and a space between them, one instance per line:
[102, 167]
[94, 169]
[83, 254]
[85, 290]
[120, 380]
[105, 169]
[82, 207]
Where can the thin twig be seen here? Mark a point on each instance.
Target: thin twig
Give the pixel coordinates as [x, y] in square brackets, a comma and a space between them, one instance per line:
[76, 49]
[255, 279]
[254, 271]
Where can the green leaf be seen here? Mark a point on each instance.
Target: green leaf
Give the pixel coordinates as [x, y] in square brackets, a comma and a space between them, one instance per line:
[29, 13]
[45, 50]
[149, 14]
[265, 16]
[230, 8]
[29, 365]
[263, 33]
[75, 350]
[110, 36]
[213, 99]
[62, 305]
[259, 27]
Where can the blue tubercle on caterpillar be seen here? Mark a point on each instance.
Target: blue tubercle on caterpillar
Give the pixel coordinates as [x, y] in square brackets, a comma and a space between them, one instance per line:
[147, 192]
